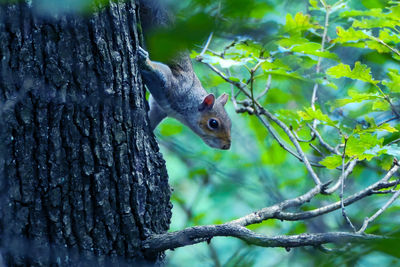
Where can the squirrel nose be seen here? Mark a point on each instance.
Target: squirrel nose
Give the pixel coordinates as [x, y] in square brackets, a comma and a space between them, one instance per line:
[226, 146]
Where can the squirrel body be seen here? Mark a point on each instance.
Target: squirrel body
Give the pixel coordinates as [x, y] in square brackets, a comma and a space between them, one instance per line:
[177, 92]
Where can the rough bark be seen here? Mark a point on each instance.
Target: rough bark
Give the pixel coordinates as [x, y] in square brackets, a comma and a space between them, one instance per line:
[82, 180]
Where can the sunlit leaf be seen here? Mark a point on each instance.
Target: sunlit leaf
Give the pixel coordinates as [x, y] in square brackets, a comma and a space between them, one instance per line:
[309, 114]
[381, 104]
[394, 83]
[332, 162]
[363, 146]
[300, 23]
[357, 97]
[359, 72]
[350, 35]
[375, 23]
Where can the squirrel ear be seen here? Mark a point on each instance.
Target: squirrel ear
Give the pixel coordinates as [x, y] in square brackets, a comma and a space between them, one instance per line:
[223, 98]
[208, 102]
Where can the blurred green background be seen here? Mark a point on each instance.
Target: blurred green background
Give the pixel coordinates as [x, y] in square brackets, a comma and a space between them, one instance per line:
[212, 186]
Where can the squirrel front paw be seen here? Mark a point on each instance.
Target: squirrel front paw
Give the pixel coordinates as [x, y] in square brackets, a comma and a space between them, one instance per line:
[143, 54]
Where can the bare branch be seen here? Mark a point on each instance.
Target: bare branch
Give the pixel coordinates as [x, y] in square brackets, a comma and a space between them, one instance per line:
[342, 187]
[342, 177]
[321, 140]
[388, 120]
[236, 228]
[394, 50]
[349, 200]
[379, 212]
[394, 142]
[197, 234]
[267, 87]
[281, 142]
[318, 67]
[316, 149]
[274, 211]
[239, 85]
[292, 138]
[207, 44]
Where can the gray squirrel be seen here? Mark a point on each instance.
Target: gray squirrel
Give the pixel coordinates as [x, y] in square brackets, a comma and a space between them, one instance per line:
[177, 92]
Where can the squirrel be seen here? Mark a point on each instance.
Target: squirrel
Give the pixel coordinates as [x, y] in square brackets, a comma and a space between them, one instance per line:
[177, 92]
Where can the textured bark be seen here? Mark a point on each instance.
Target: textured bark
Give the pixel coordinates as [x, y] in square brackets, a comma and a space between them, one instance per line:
[82, 180]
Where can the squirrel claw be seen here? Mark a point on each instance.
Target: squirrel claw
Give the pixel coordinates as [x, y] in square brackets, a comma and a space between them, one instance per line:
[143, 54]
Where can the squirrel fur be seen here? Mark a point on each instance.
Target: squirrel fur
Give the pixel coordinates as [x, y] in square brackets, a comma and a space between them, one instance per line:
[177, 92]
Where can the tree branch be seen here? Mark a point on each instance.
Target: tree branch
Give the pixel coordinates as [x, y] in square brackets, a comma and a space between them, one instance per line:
[293, 139]
[236, 228]
[379, 212]
[198, 234]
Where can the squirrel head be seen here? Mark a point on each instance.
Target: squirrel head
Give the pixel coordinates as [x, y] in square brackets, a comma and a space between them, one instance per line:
[214, 125]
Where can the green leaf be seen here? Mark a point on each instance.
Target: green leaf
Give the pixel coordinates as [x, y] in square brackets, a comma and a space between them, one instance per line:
[350, 35]
[303, 45]
[374, 128]
[249, 48]
[394, 83]
[312, 49]
[332, 162]
[360, 72]
[388, 37]
[313, 3]
[363, 146]
[374, 45]
[388, 128]
[381, 105]
[374, 12]
[356, 97]
[309, 114]
[281, 72]
[375, 23]
[300, 23]
[289, 117]
[234, 79]
[276, 64]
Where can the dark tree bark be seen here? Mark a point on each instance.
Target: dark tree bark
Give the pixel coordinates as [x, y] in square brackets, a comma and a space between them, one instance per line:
[82, 180]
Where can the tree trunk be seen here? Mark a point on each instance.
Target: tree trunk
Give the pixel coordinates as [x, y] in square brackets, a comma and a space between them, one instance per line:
[82, 181]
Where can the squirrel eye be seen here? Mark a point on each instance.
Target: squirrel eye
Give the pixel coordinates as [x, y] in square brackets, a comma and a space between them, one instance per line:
[213, 124]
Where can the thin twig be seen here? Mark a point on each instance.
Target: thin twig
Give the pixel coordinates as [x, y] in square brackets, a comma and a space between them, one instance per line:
[342, 187]
[370, 190]
[267, 87]
[394, 142]
[318, 67]
[294, 141]
[388, 120]
[379, 212]
[342, 177]
[302, 140]
[207, 44]
[316, 149]
[384, 192]
[394, 50]
[233, 96]
[321, 140]
[272, 131]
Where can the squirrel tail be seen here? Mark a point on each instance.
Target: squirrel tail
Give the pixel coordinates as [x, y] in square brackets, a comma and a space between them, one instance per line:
[155, 14]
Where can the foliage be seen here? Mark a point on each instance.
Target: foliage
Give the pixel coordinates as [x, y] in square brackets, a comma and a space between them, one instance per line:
[348, 50]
